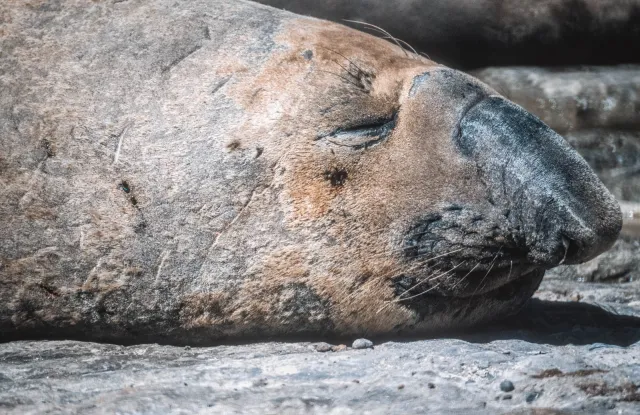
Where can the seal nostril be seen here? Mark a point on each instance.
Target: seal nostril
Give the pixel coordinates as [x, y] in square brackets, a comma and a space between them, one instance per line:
[571, 249]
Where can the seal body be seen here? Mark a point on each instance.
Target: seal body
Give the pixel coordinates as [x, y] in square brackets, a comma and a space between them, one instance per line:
[193, 171]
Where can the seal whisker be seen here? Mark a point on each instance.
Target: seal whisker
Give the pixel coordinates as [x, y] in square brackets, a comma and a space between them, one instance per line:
[340, 54]
[388, 274]
[396, 270]
[429, 278]
[343, 78]
[381, 30]
[404, 43]
[488, 271]
[467, 274]
[397, 300]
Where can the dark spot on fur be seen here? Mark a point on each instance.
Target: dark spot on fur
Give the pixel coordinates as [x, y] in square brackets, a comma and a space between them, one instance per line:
[49, 290]
[134, 201]
[259, 151]
[304, 309]
[140, 226]
[337, 177]
[308, 55]
[48, 147]
[233, 145]
[124, 186]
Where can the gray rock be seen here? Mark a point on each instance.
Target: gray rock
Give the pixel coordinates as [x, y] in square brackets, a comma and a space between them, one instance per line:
[562, 355]
[362, 344]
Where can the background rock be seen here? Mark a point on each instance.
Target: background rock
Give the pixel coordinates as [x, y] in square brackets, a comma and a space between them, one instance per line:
[574, 98]
[472, 34]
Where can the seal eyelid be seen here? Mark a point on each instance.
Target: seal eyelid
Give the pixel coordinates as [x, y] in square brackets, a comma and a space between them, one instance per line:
[364, 135]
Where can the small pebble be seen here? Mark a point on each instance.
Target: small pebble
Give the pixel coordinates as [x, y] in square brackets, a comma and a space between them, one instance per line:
[355, 381]
[260, 382]
[362, 344]
[431, 385]
[531, 396]
[400, 386]
[506, 386]
[506, 397]
[322, 347]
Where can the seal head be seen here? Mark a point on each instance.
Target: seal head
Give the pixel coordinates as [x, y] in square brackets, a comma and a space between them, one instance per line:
[530, 202]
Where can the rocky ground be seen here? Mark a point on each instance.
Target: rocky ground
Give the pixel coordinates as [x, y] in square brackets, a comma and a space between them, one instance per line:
[574, 349]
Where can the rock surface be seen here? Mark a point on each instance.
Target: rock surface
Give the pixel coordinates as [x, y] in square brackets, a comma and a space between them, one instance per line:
[565, 355]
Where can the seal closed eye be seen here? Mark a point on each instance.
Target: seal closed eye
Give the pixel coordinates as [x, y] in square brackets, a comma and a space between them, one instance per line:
[363, 135]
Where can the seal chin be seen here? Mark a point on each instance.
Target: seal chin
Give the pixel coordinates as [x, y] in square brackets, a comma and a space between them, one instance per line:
[440, 311]
[462, 252]
[463, 284]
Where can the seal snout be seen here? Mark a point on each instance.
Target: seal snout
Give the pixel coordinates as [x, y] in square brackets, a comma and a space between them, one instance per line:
[560, 211]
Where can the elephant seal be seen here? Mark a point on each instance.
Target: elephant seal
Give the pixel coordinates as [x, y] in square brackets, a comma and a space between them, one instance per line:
[473, 34]
[186, 172]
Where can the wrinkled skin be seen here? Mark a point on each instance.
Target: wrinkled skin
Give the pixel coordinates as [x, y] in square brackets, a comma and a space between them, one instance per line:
[197, 171]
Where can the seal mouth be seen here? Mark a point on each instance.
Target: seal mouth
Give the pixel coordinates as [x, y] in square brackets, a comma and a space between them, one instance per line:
[461, 283]
[438, 310]
[460, 252]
